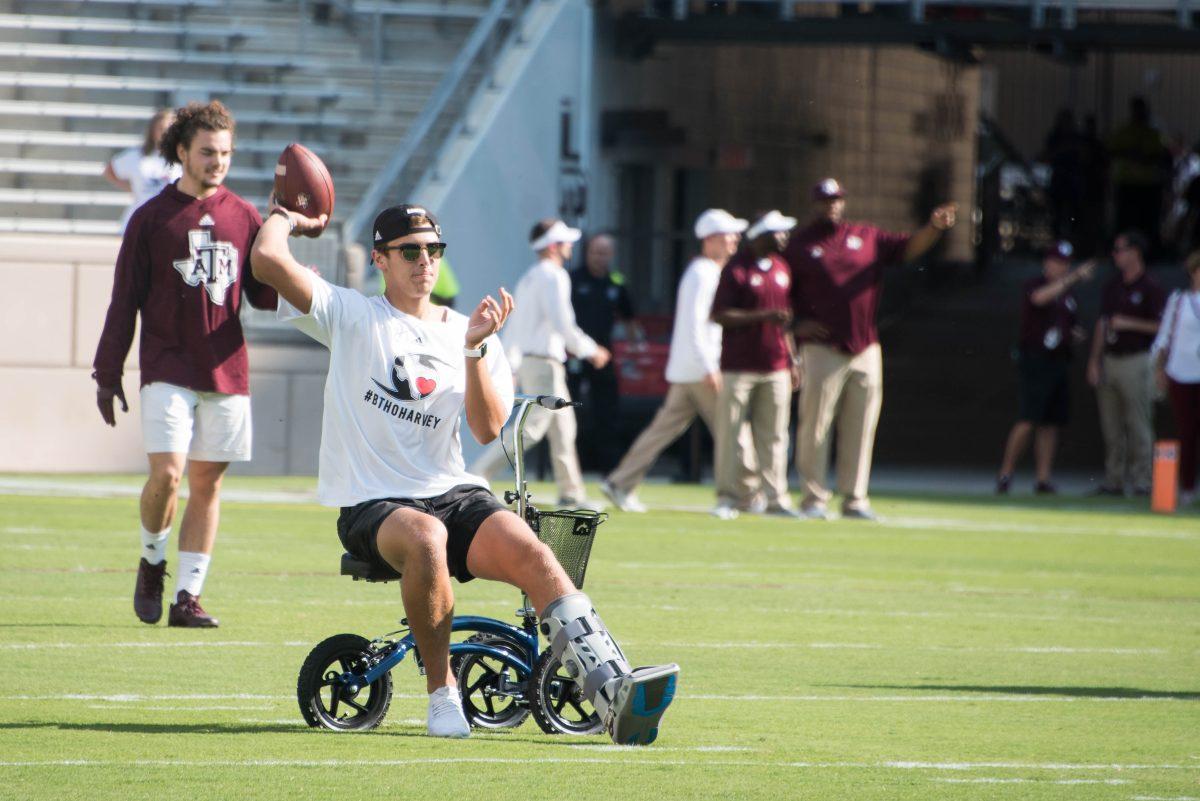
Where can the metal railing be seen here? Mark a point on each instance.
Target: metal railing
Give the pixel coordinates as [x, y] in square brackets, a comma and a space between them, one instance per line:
[439, 113]
[1068, 9]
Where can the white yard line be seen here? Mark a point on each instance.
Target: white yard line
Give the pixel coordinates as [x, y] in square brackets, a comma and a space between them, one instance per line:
[994, 780]
[635, 757]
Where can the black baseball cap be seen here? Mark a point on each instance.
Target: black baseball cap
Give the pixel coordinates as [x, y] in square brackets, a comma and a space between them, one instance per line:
[397, 221]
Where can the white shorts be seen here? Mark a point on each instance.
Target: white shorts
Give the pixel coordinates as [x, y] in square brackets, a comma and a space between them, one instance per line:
[207, 426]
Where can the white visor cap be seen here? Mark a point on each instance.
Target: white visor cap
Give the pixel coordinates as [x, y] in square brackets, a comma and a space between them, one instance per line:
[771, 222]
[718, 221]
[556, 234]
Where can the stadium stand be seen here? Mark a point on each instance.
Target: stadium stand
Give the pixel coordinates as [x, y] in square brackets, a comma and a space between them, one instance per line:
[79, 79]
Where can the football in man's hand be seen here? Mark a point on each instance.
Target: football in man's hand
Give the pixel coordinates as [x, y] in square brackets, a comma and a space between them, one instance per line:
[302, 182]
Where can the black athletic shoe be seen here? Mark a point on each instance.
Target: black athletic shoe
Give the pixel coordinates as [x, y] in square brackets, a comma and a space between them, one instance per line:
[1003, 484]
[187, 613]
[1044, 488]
[1105, 491]
[147, 593]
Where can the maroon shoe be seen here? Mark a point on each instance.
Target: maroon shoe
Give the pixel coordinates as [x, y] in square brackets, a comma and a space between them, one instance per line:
[147, 594]
[187, 613]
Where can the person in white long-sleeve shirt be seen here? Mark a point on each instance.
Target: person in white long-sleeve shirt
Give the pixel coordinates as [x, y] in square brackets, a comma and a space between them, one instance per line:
[693, 367]
[1176, 353]
[541, 333]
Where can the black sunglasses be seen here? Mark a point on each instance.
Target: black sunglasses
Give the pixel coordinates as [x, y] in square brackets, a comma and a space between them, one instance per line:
[411, 252]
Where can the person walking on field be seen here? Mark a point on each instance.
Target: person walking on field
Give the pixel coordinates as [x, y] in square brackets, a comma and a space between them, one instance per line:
[541, 333]
[693, 367]
[837, 271]
[1176, 352]
[1120, 369]
[758, 369]
[184, 266]
[1049, 315]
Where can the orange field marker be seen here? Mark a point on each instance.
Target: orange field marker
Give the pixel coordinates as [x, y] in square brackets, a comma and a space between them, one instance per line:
[1164, 495]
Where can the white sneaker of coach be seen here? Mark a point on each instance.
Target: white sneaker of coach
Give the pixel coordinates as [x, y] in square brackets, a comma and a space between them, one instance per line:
[625, 501]
[446, 717]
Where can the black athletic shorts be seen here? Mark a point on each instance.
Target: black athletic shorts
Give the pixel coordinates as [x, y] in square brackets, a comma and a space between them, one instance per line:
[462, 511]
[1045, 389]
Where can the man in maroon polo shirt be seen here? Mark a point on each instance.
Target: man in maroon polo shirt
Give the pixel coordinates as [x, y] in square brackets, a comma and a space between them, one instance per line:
[837, 277]
[1049, 328]
[758, 375]
[184, 264]
[1120, 367]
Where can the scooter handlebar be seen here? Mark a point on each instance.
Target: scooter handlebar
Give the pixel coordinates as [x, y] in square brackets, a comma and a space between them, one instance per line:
[551, 402]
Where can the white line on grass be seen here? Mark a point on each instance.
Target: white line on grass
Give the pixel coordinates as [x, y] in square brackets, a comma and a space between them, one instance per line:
[994, 780]
[714, 646]
[858, 646]
[634, 758]
[928, 699]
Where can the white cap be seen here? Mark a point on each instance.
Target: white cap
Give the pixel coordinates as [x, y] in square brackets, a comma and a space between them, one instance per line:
[771, 222]
[718, 221]
[555, 234]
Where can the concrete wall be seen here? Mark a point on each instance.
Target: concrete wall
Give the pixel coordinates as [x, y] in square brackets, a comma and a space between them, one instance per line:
[57, 297]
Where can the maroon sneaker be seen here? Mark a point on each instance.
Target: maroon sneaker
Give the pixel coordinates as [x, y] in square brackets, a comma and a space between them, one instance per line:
[147, 594]
[187, 612]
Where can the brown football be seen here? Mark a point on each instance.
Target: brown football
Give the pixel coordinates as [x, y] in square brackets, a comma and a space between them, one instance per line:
[302, 182]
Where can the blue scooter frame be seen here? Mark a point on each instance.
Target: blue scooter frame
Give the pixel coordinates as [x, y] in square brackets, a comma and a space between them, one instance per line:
[510, 662]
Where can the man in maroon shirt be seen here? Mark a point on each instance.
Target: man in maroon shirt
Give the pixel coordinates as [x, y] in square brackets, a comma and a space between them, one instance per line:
[1120, 367]
[837, 272]
[758, 375]
[184, 263]
[1048, 329]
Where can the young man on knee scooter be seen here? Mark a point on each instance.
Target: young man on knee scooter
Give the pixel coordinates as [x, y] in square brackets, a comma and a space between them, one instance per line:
[401, 372]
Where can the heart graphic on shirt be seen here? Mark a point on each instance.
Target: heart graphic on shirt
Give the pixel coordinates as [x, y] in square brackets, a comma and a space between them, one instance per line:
[408, 383]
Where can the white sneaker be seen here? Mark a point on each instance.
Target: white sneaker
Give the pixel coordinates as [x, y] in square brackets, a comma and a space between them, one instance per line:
[815, 512]
[572, 503]
[725, 511]
[446, 717]
[784, 511]
[625, 501]
[758, 505]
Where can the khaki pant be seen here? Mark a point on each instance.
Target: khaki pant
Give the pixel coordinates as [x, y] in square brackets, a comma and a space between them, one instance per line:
[1126, 398]
[679, 410]
[540, 376]
[764, 400]
[849, 390]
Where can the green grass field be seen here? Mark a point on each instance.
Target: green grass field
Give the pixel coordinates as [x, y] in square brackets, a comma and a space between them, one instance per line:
[963, 648]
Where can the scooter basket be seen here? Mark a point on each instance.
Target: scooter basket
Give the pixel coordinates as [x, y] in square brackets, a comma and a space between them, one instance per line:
[569, 533]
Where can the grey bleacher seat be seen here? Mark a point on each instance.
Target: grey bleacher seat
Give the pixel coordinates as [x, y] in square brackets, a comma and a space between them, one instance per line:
[95, 111]
[406, 9]
[96, 168]
[174, 3]
[35, 225]
[72, 24]
[75, 197]
[60, 52]
[53, 80]
[111, 141]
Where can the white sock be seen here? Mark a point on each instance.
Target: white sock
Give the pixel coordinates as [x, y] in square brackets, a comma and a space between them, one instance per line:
[192, 569]
[154, 546]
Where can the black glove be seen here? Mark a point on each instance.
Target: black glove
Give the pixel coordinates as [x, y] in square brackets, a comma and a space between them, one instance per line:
[104, 400]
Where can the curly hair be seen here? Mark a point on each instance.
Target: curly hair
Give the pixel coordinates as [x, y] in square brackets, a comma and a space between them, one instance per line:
[212, 116]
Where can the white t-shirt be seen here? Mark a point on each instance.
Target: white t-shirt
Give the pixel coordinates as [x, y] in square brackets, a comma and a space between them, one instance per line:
[1180, 330]
[394, 396]
[695, 338]
[147, 175]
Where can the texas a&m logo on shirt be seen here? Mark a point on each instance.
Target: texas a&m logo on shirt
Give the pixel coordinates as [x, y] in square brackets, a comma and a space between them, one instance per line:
[213, 264]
